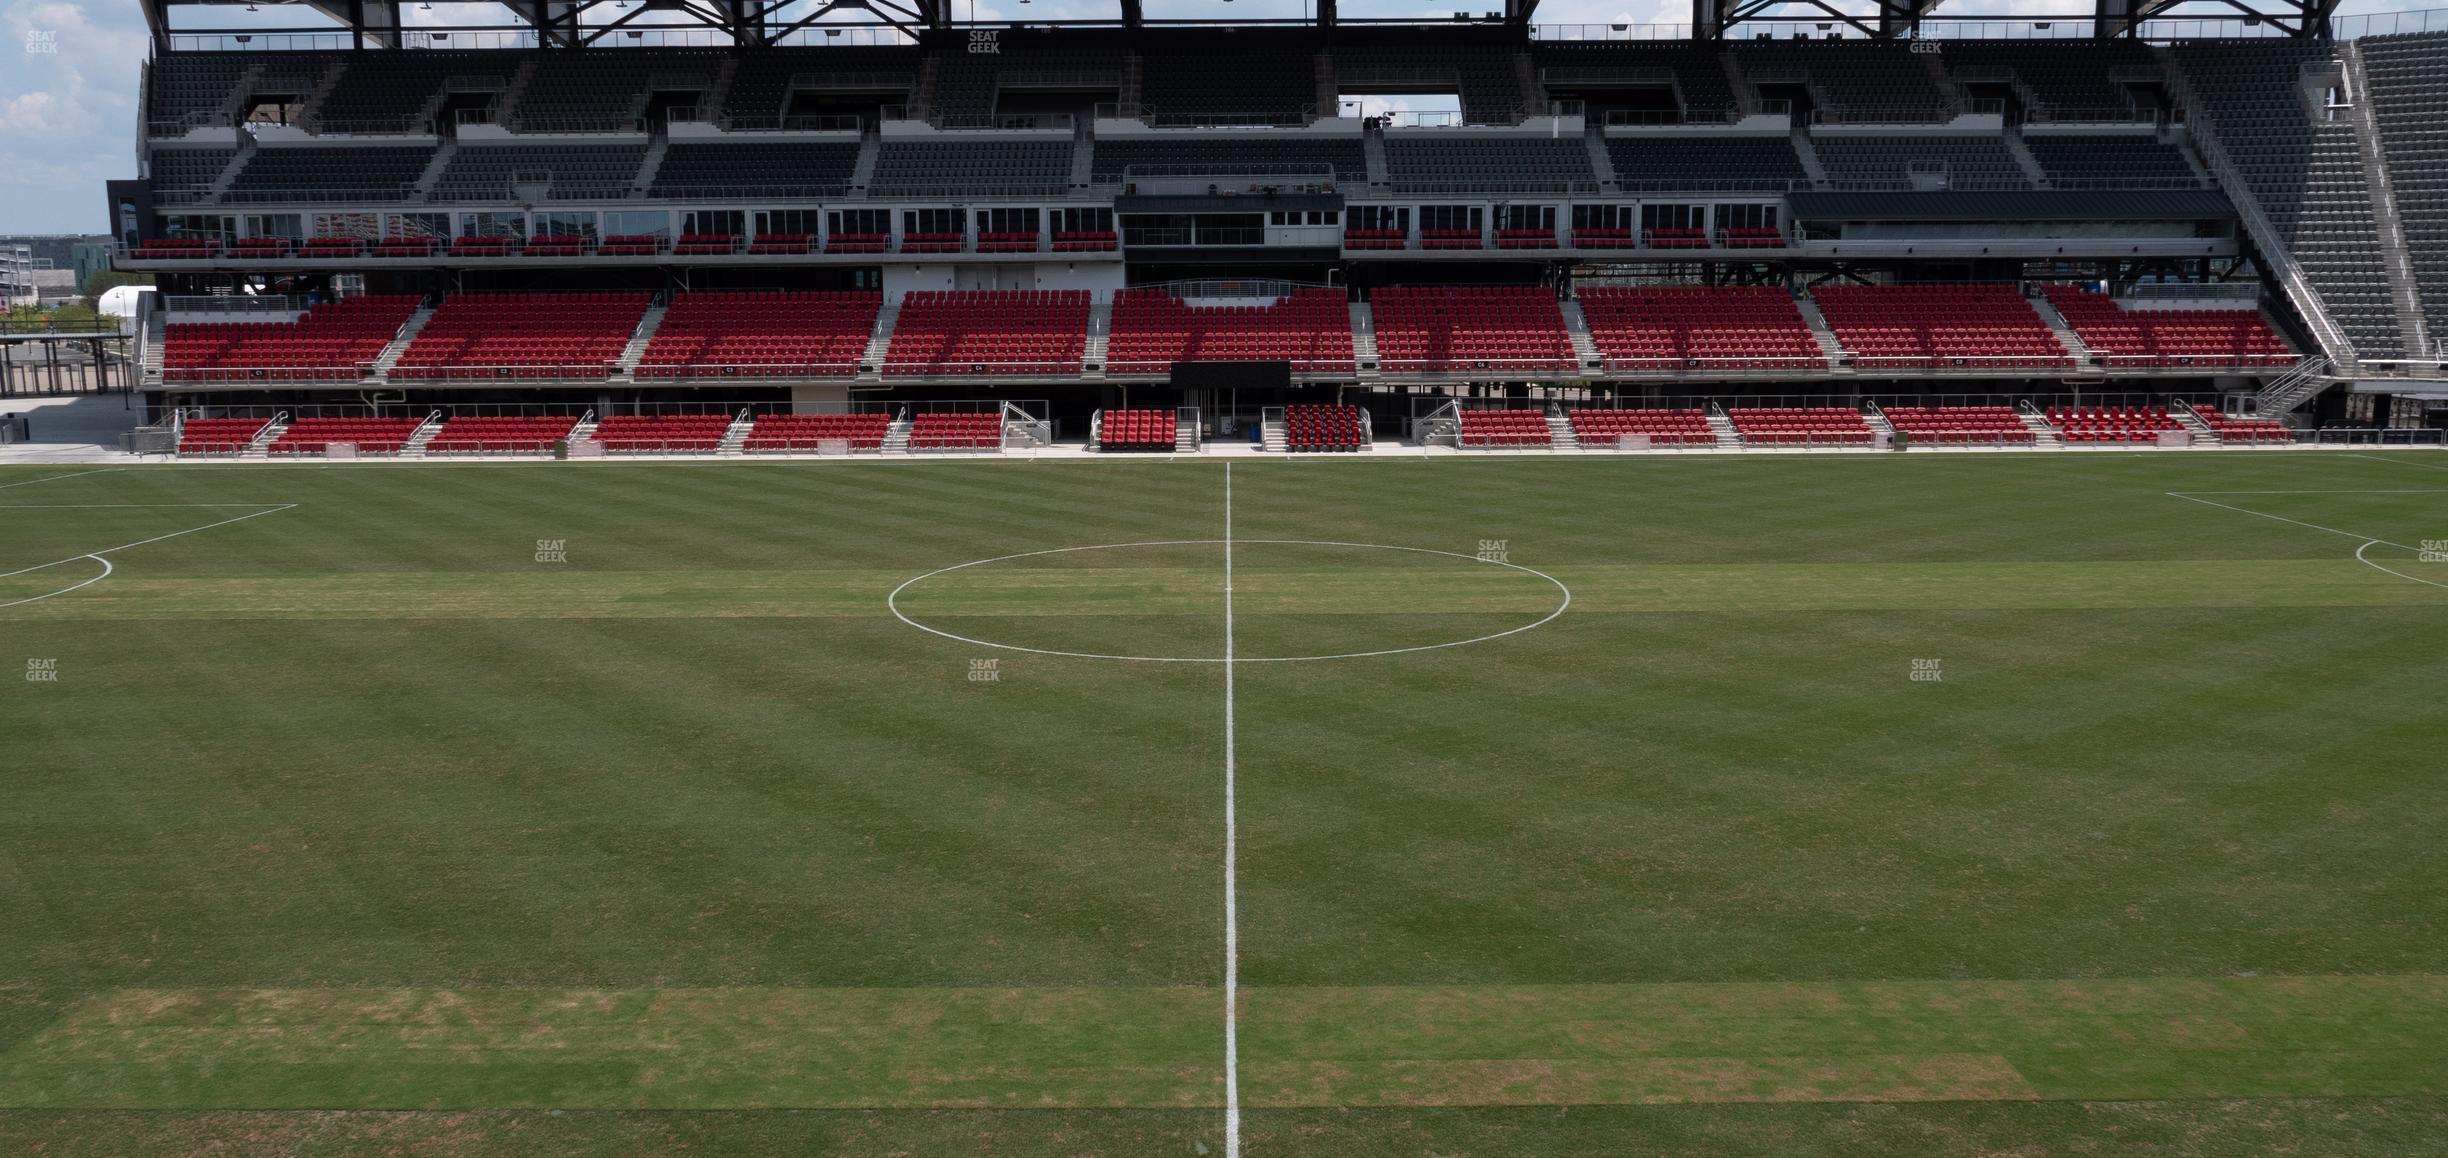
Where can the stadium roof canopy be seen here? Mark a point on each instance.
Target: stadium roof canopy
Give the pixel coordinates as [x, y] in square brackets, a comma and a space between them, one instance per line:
[583, 23]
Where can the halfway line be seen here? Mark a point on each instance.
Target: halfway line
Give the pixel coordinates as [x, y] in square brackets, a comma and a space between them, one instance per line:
[1232, 927]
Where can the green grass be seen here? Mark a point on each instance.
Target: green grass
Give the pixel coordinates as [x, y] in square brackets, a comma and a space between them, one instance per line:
[353, 828]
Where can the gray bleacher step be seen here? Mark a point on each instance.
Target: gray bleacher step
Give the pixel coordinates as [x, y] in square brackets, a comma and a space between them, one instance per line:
[2203, 435]
[871, 146]
[432, 175]
[2075, 348]
[1576, 327]
[1602, 163]
[1271, 437]
[1100, 338]
[1876, 419]
[2023, 156]
[1364, 340]
[2396, 260]
[1829, 347]
[879, 341]
[2043, 434]
[408, 331]
[735, 436]
[896, 436]
[1560, 431]
[652, 164]
[1727, 437]
[639, 339]
[1808, 154]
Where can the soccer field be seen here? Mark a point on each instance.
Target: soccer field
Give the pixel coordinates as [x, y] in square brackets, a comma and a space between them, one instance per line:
[1760, 805]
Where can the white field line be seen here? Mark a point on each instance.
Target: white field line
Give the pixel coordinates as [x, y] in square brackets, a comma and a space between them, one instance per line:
[892, 602]
[1232, 915]
[57, 477]
[98, 556]
[2398, 461]
[2283, 519]
[2368, 541]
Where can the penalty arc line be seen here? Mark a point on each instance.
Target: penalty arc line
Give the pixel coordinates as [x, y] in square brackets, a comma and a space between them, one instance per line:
[1232, 923]
[2368, 541]
[107, 569]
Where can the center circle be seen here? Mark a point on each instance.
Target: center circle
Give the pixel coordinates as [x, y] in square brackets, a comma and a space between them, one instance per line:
[1332, 596]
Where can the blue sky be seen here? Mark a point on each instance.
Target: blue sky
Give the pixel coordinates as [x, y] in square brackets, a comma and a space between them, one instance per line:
[68, 102]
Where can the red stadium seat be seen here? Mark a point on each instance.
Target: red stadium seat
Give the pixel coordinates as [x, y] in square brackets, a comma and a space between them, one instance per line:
[1462, 328]
[1309, 328]
[334, 341]
[761, 334]
[523, 336]
[1695, 327]
[989, 333]
[1939, 327]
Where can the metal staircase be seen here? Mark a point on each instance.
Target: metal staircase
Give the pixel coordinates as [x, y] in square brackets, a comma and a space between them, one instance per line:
[879, 342]
[2395, 262]
[1876, 419]
[2023, 156]
[652, 165]
[1364, 340]
[260, 446]
[1560, 431]
[2064, 330]
[408, 331]
[425, 182]
[1100, 336]
[2295, 387]
[2203, 435]
[1187, 437]
[2044, 435]
[735, 436]
[1576, 327]
[1271, 436]
[897, 434]
[640, 338]
[1829, 347]
[2292, 280]
[1727, 437]
[424, 433]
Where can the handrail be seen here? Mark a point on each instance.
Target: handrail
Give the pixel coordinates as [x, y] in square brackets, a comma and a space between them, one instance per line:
[2299, 290]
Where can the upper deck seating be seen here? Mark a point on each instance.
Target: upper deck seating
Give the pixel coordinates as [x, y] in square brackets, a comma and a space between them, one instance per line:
[1310, 328]
[2119, 337]
[569, 172]
[523, 336]
[742, 169]
[938, 167]
[761, 334]
[1700, 328]
[1712, 164]
[989, 332]
[332, 341]
[1456, 328]
[1435, 162]
[1964, 162]
[1939, 327]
